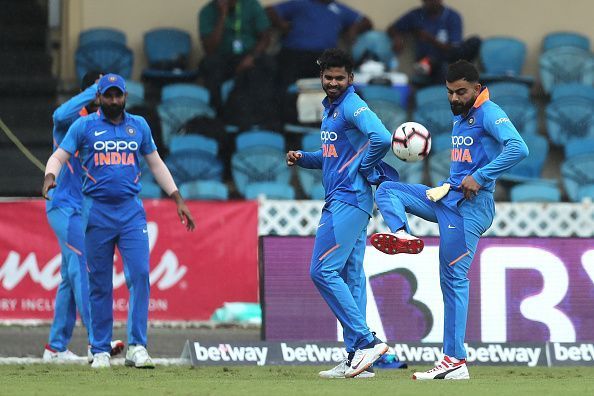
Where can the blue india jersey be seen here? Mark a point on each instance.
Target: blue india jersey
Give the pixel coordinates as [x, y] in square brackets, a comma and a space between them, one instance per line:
[109, 154]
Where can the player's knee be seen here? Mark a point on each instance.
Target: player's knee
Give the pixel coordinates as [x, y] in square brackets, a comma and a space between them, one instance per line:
[316, 273]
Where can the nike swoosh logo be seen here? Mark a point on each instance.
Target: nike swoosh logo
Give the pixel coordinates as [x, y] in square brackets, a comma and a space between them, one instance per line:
[99, 133]
[144, 231]
[358, 363]
[451, 226]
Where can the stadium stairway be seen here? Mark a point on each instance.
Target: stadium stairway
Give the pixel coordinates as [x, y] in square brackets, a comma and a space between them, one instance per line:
[27, 93]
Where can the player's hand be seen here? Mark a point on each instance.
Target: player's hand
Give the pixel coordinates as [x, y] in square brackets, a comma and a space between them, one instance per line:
[470, 187]
[185, 216]
[49, 182]
[293, 157]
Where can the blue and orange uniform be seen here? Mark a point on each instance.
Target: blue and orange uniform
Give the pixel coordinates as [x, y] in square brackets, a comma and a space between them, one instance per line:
[484, 144]
[113, 215]
[64, 216]
[353, 143]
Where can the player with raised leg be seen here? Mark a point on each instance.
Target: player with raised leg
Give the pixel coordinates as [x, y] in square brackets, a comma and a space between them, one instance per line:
[353, 141]
[484, 145]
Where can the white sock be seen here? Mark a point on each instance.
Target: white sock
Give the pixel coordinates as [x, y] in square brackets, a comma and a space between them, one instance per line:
[454, 360]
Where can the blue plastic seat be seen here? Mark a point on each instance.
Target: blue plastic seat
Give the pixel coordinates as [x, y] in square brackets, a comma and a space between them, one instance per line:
[175, 113]
[531, 166]
[109, 57]
[410, 172]
[193, 142]
[503, 56]
[167, 51]
[577, 173]
[95, 35]
[259, 138]
[586, 192]
[259, 164]
[149, 189]
[569, 118]
[522, 113]
[578, 146]
[430, 95]
[391, 115]
[380, 92]
[436, 117]
[309, 179]
[564, 65]
[311, 142]
[204, 189]
[529, 192]
[190, 165]
[185, 90]
[374, 42]
[439, 166]
[269, 190]
[135, 91]
[570, 90]
[565, 39]
[507, 89]
[441, 142]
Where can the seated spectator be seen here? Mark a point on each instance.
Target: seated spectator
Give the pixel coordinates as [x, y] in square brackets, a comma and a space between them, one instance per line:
[437, 30]
[235, 35]
[309, 27]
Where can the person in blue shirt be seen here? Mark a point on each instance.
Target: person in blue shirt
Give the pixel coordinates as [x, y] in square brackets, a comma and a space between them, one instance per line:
[353, 142]
[485, 144]
[64, 216]
[437, 30]
[109, 143]
[308, 28]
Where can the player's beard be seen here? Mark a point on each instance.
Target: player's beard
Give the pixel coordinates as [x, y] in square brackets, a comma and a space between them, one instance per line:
[113, 111]
[461, 108]
[333, 94]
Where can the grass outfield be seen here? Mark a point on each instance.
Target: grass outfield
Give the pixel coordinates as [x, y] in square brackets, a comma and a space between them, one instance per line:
[81, 380]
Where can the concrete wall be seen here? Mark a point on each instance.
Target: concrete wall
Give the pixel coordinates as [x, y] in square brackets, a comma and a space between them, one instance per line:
[528, 20]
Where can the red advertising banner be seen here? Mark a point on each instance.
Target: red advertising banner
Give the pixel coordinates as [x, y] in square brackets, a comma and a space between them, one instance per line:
[192, 273]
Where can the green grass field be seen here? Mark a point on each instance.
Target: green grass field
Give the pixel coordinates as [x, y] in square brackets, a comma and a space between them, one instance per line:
[82, 380]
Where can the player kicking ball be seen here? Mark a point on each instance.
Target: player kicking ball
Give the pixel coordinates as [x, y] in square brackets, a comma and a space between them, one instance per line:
[485, 144]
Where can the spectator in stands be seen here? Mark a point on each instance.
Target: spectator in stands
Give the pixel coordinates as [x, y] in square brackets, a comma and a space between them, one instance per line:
[235, 35]
[64, 216]
[437, 30]
[308, 28]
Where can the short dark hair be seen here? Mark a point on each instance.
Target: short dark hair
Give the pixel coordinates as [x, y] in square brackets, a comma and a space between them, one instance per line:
[462, 69]
[89, 79]
[334, 57]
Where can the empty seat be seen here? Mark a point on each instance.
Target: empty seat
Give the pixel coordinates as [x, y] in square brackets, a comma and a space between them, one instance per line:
[391, 115]
[135, 92]
[495, 63]
[577, 173]
[109, 57]
[259, 164]
[533, 192]
[270, 190]
[204, 189]
[96, 35]
[193, 143]
[570, 118]
[176, 112]
[565, 39]
[185, 90]
[375, 92]
[167, 51]
[259, 138]
[564, 65]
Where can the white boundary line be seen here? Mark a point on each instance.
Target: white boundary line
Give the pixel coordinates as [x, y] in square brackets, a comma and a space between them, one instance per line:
[83, 361]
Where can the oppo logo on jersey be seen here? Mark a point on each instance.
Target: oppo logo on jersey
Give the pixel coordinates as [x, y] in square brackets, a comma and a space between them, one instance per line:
[461, 154]
[328, 149]
[112, 152]
[458, 141]
[328, 136]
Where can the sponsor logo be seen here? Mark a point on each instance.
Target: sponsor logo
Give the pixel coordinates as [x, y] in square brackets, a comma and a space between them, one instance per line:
[130, 131]
[328, 136]
[228, 353]
[312, 353]
[458, 141]
[360, 110]
[99, 133]
[573, 353]
[114, 152]
[115, 145]
[501, 121]
[471, 121]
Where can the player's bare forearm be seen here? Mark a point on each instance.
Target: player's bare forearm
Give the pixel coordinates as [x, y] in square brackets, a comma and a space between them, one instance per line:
[183, 211]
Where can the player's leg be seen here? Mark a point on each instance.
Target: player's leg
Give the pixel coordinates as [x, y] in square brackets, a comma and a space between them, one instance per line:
[65, 308]
[134, 249]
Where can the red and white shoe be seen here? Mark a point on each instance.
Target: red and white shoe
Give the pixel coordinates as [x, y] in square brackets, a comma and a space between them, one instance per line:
[446, 369]
[117, 346]
[399, 242]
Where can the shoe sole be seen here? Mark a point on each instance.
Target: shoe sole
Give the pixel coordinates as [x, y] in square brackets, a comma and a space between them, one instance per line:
[390, 244]
[369, 364]
[130, 363]
[117, 348]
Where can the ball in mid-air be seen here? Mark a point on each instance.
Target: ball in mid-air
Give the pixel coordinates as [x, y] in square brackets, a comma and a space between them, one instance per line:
[411, 142]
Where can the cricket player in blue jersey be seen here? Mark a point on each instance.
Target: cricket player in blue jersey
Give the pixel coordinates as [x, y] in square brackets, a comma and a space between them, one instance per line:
[353, 142]
[485, 144]
[110, 142]
[64, 215]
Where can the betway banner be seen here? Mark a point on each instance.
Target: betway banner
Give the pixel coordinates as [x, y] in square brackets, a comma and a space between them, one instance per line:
[191, 273]
[315, 353]
[521, 290]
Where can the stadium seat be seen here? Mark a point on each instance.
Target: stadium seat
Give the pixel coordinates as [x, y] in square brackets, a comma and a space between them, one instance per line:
[98, 35]
[149, 189]
[390, 114]
[578, 146]
[495, 64]
[436, 117]
[506, 89]
[441, 142]
[311, 142]
[373, 43]
[439, 166]
[190, 165]
[528, 192]
[570, 118]
[566, 65]
[176, 112]
[376, 92]
[135, 96]
[193, 142]
[259, 164]
[577, 173]
[522, 113]
[318, 192]
[429, 95]
[586, 193]
[259, 138]
[565, 39]
[204, 189]
[531, 166]
[269, 190]
[185, 90]
[110, 57]
[410, 172]
[570, 90]
[167, 51]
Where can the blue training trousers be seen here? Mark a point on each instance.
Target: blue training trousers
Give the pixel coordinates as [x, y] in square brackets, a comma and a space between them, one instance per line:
[472, 216]
[337, 269]
[107, 225]
[73, 291]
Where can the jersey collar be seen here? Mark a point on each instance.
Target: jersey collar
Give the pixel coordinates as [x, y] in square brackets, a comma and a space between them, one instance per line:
[482, 98]
[338, 101]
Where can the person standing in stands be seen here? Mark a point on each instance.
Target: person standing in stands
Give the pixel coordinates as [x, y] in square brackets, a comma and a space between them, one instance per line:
[64, 216]
[110, 142]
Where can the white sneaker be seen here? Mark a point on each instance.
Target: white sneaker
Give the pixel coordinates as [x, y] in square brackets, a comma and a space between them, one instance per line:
[340, 370]
[399, 242]
[51, 356]
[137, 356]
[364, 358]
[101, 360]
[446, 369]
[117, 347]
